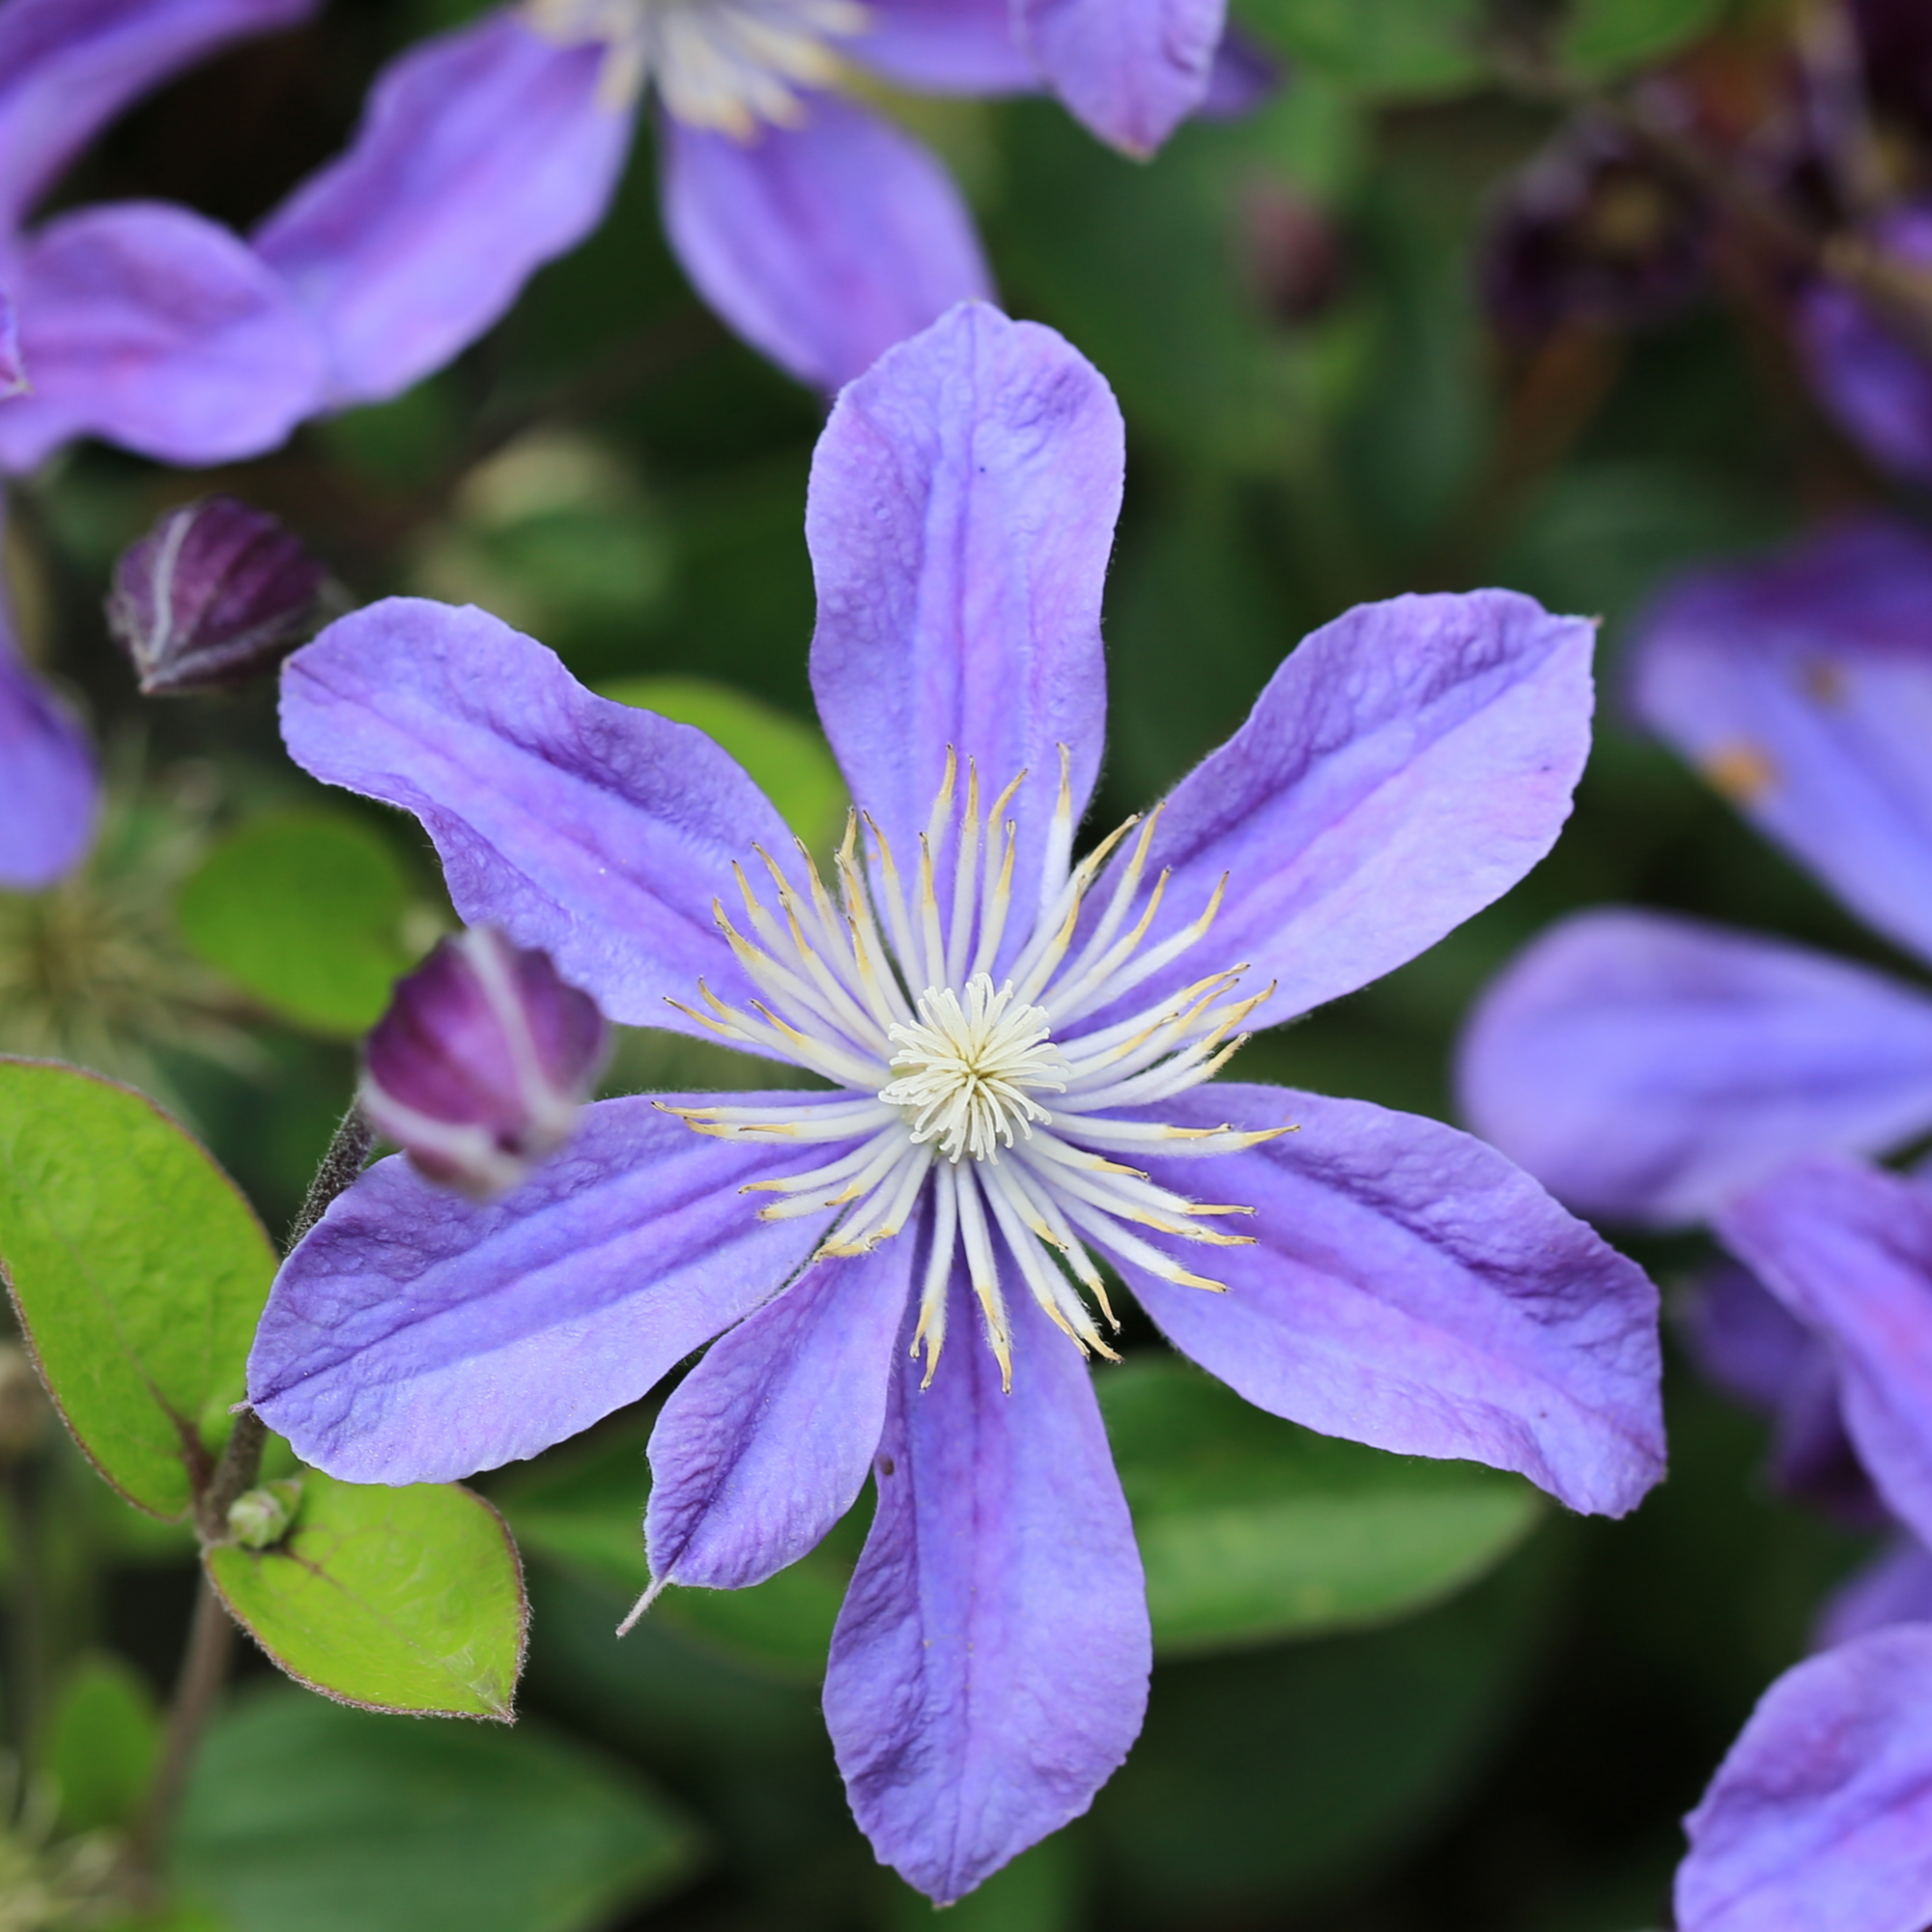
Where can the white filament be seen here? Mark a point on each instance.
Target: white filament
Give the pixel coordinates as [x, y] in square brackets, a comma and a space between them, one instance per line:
[945, 1087]
[729, 65]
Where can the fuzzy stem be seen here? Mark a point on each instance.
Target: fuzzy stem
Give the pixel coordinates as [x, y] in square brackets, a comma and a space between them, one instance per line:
[340, 1165]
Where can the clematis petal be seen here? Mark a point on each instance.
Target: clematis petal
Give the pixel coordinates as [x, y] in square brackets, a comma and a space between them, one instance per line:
[1130, 70]
[483, 154]
[1895, 1587]
[596, 832]
[989, 1668]
[1406, 764]
[1244, 74]
[1411, 1288]
[821, 244]
[1754, 1349]
[948, 47]
[1802, 689]
[960, 516]
[1848, 1248]
[1646, 1068]
[148, 325]
[1821, 1814]
[767, 1443]
[68, 67]
[415, 1337]
[49, 790]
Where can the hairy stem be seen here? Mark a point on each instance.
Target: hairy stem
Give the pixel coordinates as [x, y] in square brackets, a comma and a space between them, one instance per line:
[340, 1165]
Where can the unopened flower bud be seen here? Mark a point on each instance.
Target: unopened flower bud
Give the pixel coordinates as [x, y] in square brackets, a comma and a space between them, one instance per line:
[478, 1067]
[216, 592]
[260, 1519]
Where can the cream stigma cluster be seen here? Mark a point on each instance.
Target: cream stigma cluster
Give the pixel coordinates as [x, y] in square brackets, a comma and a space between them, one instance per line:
[729, 65]
[984, 1091]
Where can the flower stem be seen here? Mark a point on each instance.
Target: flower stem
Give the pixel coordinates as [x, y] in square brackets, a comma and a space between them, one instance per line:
[203, 1665]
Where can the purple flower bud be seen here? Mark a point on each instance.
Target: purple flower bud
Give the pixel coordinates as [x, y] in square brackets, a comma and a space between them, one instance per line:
[478, 1067]
[13, 371]
[214, 593]
[1591, 232]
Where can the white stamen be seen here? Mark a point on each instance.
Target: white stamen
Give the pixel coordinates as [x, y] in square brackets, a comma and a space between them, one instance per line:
[945, 1082]
[726, 64]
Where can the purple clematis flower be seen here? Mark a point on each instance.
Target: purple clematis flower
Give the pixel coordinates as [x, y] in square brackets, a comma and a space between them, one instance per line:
[1647, 1068]
[1015, 1042]
[1726, 1076]
[820, 232]
[141, 323]
[1820, 1813]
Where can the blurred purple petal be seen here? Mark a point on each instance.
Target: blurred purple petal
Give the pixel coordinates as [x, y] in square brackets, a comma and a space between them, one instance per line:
[1244, 75]
[68, 67]
[823, 245]
[49, 790]
[12, 370]
[1645, 1067]
[767, 1443]
[1130, 70]
[482, 155]
[415, 1337]
[149, 326]
[1751, 1346]
[1871, 378]
[1411, 1288]
[1820, 1818]
[1802, 689]
[598, 832]
[1406, 764]
[989, 1668]
[960, 518]
[1849, 1249]
[948, 47]
[1895, 1587]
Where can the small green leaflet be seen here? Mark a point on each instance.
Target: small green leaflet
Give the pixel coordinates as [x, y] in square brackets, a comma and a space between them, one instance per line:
[306, 911]
[396, 1599]
[1603, 37]
[138, 1271]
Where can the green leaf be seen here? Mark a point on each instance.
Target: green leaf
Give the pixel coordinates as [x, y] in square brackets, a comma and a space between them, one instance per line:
[788, 759]
[306, 911]
[138, 1271]
[1253, 1529]
[585, 1514]
[1378, 46]
[400, 1599]
[1602, 37]
[304, 1817]
[101, 1745]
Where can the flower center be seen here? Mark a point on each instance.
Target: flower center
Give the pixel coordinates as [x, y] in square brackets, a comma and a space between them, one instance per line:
[938, 1087]
[729, 65]
[972, 1067]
